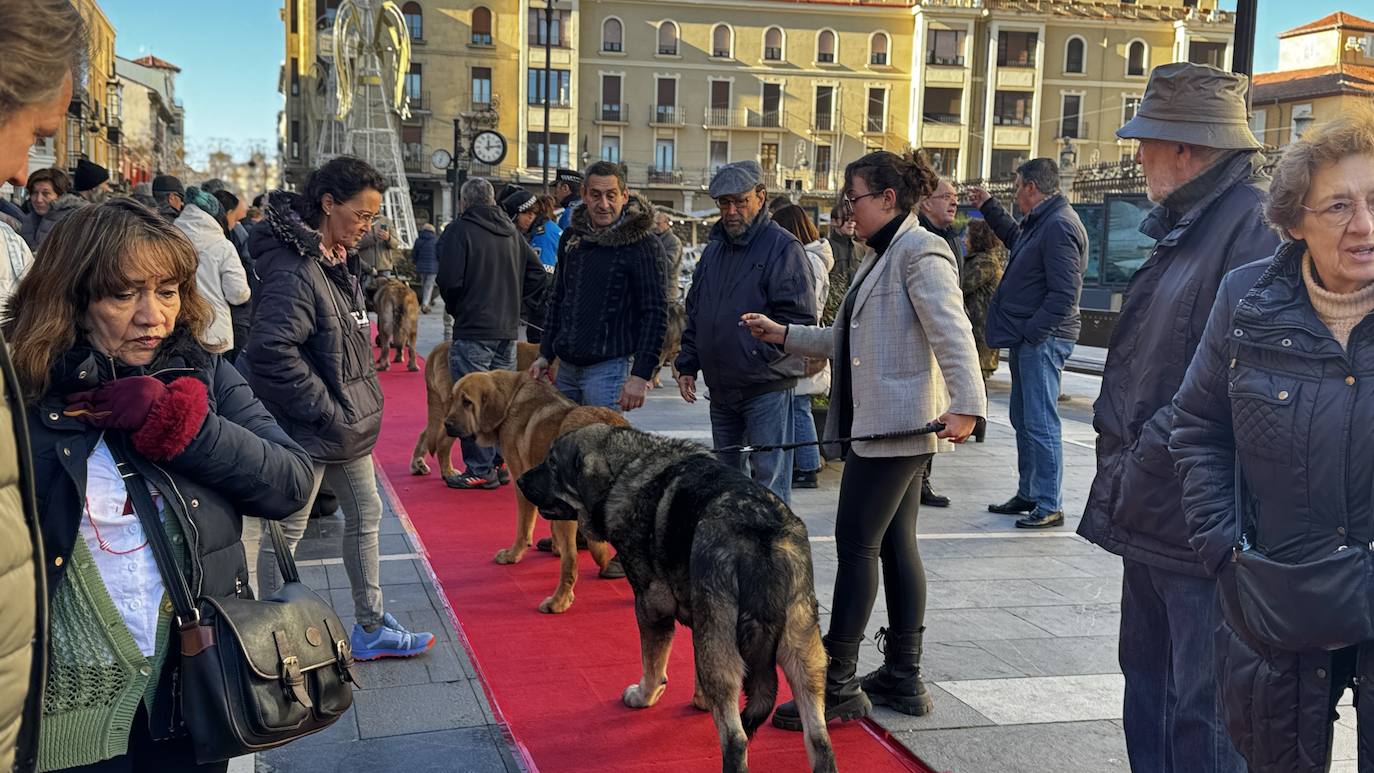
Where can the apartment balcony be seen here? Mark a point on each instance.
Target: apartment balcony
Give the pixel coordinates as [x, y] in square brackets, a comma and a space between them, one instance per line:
[824, 123]
[875, 124]
[419, 103]
[666, 176]
[413, 157]
[667, 115]
[611, 113]
[766, 119]
[723, 118]
[933, 58]
[945, 118]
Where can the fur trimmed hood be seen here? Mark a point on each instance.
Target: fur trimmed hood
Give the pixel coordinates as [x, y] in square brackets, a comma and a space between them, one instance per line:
[283, 223]
[636, 222]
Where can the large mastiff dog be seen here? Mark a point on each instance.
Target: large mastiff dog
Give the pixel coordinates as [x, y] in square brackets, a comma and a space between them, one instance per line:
[397, 319]
[523, 417]
[704, 545]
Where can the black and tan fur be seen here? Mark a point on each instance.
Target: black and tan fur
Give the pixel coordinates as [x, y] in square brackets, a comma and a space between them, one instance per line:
[398, 314]
[705, 546]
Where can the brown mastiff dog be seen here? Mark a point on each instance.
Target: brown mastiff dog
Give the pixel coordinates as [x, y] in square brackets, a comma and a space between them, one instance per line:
[523, 417]
[397, 315]
[433, 440]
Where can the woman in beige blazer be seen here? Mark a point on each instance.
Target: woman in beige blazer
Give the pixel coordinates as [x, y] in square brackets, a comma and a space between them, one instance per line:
[903, 355]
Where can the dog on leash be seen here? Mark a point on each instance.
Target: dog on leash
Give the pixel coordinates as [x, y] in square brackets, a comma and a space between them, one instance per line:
[398, 313]
[524, 416]
[705, 546]
[672, 341]
[433, 440]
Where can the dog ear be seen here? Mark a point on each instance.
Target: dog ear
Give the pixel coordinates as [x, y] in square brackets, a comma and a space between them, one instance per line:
[491, 403]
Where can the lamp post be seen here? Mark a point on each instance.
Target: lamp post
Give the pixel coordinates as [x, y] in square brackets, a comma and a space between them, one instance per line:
[548, 60]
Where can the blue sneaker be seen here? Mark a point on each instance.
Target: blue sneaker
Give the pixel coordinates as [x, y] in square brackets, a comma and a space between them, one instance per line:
[390, 640]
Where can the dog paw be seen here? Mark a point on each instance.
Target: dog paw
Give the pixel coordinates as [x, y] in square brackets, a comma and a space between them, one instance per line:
[419, 467]
[636, 698]
[509, 556]
[412, 367]
[555, 605]
[699, 702]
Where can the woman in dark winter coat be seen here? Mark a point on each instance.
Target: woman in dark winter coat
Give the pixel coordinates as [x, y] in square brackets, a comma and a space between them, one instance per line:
[982, 273]
[106, 328]
[1272, 444]
[426, 260]
[310, 361]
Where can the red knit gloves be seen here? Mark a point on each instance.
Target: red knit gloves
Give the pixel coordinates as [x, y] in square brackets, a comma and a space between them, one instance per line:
[164, 418]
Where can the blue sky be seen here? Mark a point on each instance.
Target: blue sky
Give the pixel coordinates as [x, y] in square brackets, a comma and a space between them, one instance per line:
[230, 57]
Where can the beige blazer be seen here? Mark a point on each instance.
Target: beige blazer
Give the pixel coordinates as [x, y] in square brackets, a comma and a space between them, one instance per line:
[911, 350]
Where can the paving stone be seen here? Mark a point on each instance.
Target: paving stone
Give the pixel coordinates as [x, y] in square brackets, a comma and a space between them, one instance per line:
[417, 709]
[1042, 699]
[316, 577]
[1070, 747]
[964, 660]
[470, 750]
[397, 672]
[1101, 565]
[1084, 590]
[1077, 620]
[448, 662]
[1057, 657]
[944, 594]
[394, 544]
[1019, 568]
[946, 625]
[949, 712]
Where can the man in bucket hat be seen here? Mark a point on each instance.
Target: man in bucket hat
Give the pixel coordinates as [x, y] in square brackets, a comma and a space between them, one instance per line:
[1202, 171]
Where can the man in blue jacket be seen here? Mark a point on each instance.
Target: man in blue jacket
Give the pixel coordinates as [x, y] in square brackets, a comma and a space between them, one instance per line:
[1202, 171]
[750, 264]
[1034, 315]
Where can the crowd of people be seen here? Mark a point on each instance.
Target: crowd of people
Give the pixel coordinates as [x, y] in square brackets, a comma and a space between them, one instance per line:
[221, 352]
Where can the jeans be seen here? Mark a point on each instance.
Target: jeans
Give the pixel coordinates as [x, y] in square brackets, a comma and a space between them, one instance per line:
[1172, 710]
[762, 420]
[597, 385]
[880, 498]
[426, 288]
[471, 356]
[355, 484]
[1036, 370]
[806, 458]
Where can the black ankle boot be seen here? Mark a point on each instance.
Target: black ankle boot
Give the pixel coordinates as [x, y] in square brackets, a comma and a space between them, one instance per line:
[898, 683]
[844, 699]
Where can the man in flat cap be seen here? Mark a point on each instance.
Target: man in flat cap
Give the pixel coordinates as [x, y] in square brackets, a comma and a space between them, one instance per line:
[1202, 171]
[750, 264]
[567, 188]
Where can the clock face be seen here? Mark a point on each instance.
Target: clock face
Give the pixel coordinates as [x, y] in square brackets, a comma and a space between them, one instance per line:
[441, 158]
[489, 147]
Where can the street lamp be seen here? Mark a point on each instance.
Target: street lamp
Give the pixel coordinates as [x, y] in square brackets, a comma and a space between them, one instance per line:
[548, 62]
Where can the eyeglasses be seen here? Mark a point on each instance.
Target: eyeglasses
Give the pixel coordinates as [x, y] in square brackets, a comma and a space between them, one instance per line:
[1340, 212]
[365, 217]
[947, 196]
[850, 200]
[731, 202]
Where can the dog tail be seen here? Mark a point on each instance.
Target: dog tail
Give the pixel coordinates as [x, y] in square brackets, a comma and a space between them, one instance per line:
[758, 645]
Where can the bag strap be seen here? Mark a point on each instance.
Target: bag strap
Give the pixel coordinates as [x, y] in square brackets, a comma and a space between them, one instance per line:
[172, 576]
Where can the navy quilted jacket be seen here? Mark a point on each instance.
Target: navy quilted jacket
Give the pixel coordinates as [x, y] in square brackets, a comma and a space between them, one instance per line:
[1038, 296]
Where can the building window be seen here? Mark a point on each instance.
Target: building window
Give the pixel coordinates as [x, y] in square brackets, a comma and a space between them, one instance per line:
[945, 47]
[413, 148]
[610, 149]
[560, 87]
[481, 88]
[1129, 106]
[1012, 108]
[825, 108]
[295, 77]
[611, 108]
[1016, 49]
[1073, 56]
[877, 49]
[823, 170]
[1259, 123]
[295, 140]
[722, 42]
[664, 156]
[772, 45]
[415, 20]
[665, 109]
[1203, 52]
[1070, 114]
[825, 47]
[612, 35]
[558, 149]
[771, 102]
[481, 26]
[1302, 121]
[877, 110]
[718, 155]
[1135, 58]
[942, 106]
[667, 38]
[768, 159]
[543, 31]
[1005, 162]
[414, 83]
[718, 114]
[943, 160]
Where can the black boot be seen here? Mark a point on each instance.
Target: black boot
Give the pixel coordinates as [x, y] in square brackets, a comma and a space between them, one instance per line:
[929, 498]
[898, 683]
[844, 700]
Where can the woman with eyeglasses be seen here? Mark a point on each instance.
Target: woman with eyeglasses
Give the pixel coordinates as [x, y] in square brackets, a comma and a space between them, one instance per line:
[1272, 444]
[309, 360]
[903, 355]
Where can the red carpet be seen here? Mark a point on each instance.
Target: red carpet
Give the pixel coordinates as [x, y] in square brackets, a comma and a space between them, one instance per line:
[555, 680]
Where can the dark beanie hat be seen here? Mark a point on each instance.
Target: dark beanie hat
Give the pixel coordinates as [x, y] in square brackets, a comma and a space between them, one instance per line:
[166, 183]
[89, 175]
[517, 201]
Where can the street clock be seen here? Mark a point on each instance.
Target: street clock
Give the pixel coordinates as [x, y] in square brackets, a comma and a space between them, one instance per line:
[489, 147]
[441, 159]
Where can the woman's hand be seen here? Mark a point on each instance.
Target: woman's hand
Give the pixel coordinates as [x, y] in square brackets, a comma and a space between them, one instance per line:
[958, 426]
[763, 328]
[123, 403]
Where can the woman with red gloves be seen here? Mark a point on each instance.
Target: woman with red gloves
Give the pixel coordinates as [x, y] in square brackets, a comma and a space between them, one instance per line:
[104, 331]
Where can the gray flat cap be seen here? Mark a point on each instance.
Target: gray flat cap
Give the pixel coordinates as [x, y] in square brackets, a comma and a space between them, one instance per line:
[739, 177]
[1193, 103]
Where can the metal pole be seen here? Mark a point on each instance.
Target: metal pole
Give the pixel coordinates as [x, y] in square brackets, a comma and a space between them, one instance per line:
[1243, 52]
[548, 60]
[458, 176]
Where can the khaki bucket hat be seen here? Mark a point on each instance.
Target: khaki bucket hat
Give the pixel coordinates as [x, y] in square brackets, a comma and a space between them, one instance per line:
[1193, 103]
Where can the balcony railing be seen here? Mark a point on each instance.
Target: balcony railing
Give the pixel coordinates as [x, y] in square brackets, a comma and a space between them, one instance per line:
[772, 54]
[1011, 120]
[481, 38]
[952, 118]
[419, 102]
[669, 115]
[722, 117]
[613, 46]
[720, 53]
[665, 176]
[952, 61]
[878, 58]
[413, 156]
[767, 119]
[825, 57]
[665, 49]
[823, 123]
[612, 112]
[875, 124]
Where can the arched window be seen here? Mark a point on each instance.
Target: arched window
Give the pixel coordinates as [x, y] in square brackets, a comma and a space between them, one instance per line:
[722, 42]
[481, 26]
[612, 35]
[1136, 58]
[1073, 55]
[667, 38]
[415, 20]
[877, 48]
[825, 47]
[772, 44]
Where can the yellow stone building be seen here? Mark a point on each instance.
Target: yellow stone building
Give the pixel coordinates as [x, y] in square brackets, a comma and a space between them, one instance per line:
[92, 128]
[1324, 67]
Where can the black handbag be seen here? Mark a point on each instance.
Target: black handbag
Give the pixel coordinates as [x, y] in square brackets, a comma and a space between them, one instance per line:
[255, 674]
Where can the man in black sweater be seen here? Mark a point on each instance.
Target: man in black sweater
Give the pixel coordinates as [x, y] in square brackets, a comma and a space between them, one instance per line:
[487, 273]
[608, 315]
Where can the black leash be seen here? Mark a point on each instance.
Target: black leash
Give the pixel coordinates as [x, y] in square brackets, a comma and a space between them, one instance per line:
[934, 426]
